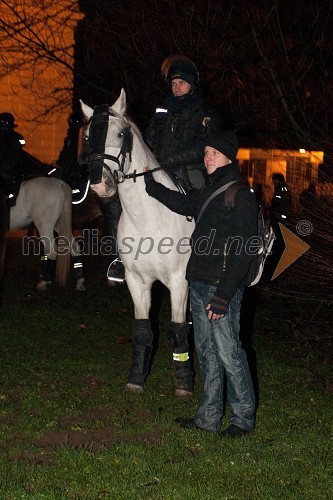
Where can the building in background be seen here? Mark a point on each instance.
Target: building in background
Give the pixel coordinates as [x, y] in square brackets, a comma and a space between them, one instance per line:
[300, 168]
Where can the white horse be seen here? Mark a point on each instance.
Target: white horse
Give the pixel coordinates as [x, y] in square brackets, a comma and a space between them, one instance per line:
[47, 202]
[153, 242]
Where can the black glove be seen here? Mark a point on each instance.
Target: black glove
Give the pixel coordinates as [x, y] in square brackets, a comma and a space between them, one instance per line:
[148, 177]
[218, 305]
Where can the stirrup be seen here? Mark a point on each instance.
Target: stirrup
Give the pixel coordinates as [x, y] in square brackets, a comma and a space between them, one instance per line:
[115, 271]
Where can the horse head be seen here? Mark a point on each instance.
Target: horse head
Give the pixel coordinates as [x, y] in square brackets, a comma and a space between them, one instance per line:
[107, 139]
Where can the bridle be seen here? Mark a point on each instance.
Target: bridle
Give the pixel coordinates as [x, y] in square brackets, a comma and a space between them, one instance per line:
[99, 123]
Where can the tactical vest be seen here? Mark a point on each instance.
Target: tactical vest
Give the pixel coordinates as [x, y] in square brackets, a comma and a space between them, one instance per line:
[177, 129]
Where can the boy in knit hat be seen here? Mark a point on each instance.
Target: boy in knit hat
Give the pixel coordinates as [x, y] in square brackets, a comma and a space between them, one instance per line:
[216, 270]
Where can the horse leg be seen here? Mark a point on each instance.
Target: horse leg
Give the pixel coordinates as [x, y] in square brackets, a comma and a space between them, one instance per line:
[48, 269]
[48, 264]
[79, 274]
[178, 335]
[142, 336]
[77, 258]
[48, 258]
[143, 346]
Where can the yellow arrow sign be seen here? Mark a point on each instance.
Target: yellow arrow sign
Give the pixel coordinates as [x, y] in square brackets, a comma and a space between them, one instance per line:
[294, 248]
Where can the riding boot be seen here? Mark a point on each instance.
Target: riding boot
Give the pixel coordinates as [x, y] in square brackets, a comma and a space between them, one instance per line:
[48, 268]
[143, 345]
[178, 334]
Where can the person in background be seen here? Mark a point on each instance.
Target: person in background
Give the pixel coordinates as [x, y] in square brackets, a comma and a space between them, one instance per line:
[216, 274]
[178, 131]
[11, 157]
[309, 202]
[281, 203]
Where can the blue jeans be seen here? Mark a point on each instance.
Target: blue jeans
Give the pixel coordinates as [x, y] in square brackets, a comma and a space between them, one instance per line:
[220, 354]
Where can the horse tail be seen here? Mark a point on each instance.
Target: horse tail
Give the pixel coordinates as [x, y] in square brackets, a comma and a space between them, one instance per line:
[65, 230]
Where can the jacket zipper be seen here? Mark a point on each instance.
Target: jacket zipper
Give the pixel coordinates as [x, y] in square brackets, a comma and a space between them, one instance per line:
[224, 256]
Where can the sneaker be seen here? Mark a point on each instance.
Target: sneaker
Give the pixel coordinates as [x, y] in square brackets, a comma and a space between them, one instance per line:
[116, 271]
[233, 431]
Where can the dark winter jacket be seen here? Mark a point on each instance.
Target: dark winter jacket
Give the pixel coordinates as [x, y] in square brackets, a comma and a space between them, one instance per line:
[280, 206]
[11, 161]
[220, 239]
[179, 129]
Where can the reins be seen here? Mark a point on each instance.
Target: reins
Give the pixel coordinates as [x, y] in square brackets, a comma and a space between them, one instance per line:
[134, 175]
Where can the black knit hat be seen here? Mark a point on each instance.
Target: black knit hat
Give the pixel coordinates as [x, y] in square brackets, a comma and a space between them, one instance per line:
[226, 142]
[179, 66]
[177, 72]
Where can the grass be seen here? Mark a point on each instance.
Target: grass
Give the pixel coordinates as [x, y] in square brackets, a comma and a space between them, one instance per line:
[68, 431]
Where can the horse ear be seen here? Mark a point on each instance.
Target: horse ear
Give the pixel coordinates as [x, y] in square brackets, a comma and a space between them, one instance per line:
[86, 110]
[120, 104]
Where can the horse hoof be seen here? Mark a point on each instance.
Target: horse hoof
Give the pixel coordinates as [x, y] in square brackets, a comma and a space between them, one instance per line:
[80, 285]
[182, 393]
[133, 388]
[42, 285]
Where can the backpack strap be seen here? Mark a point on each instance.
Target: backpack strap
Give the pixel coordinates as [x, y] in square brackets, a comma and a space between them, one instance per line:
[229, 197]
[218, 191]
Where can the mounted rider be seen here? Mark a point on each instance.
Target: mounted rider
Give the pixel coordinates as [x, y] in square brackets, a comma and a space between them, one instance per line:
[178, 131]
[179, 127]
[11, 157]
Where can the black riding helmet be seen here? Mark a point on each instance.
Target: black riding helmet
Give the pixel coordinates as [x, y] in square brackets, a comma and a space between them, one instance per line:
[7, 120]
[179, 66]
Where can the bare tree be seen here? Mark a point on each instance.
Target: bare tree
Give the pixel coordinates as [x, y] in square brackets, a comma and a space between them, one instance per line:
[268, 65]
[36, 49]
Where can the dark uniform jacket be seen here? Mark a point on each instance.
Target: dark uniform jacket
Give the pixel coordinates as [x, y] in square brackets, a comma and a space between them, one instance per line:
[280, 206]
[216, 258]
[11, 162]
[178, 132]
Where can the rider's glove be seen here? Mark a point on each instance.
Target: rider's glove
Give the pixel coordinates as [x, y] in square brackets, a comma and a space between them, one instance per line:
[148, 177]
[218, 305]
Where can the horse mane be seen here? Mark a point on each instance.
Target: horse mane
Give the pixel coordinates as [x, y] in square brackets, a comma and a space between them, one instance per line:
[145, 147]
[145, 157]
